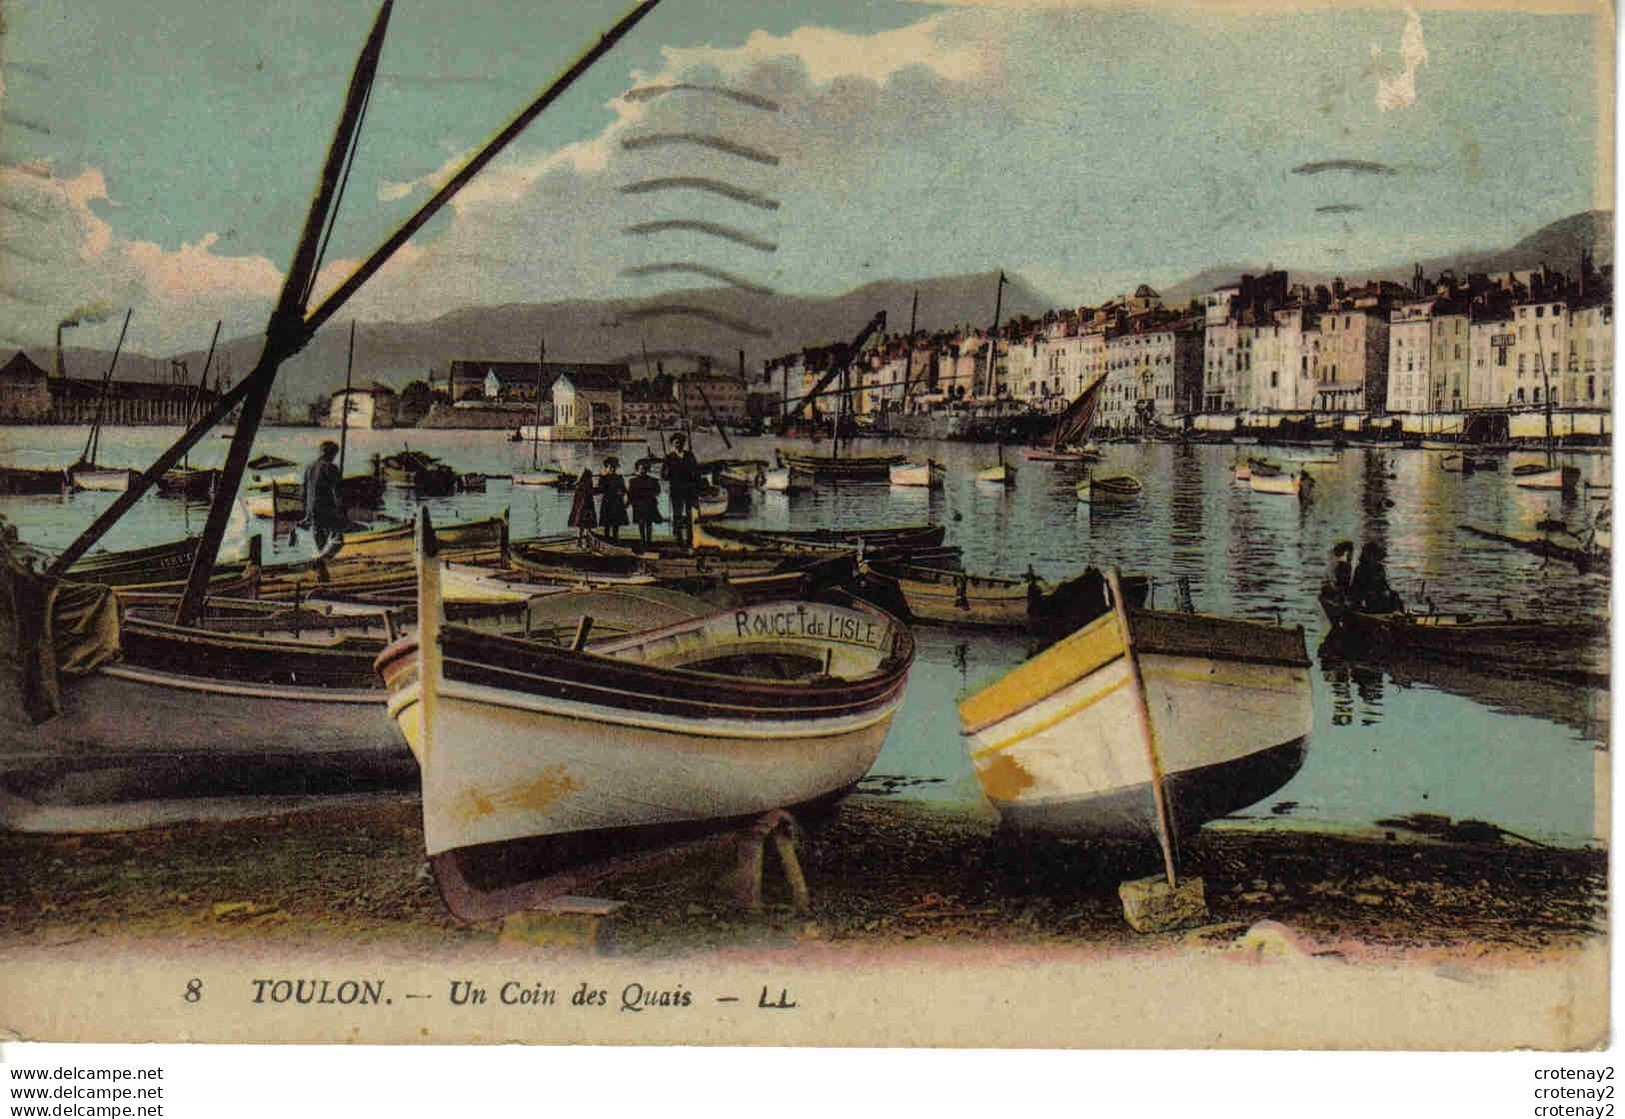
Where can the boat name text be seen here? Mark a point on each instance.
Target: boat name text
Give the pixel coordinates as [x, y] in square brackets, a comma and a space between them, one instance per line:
[850, 629]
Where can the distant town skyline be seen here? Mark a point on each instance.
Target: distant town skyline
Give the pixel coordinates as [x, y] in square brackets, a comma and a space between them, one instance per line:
[1087, 149]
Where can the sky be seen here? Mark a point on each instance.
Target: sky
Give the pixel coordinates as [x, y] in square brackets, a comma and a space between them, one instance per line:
[161, 156]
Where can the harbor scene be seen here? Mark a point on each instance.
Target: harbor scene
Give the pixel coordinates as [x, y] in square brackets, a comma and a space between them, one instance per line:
[1236, 597]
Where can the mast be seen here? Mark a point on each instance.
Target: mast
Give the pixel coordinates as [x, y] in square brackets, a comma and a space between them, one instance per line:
[344, 414]
[993, 335]
[292, 334]
[94, 438]
[202, 387]
[1546, 384]
[536, 423]
[908, 361]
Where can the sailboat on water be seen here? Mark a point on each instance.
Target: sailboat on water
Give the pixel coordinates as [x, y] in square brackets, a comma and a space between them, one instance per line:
[836, 467]
[1068, 438]
[536, 475]
[1551, 476]
[86, 473]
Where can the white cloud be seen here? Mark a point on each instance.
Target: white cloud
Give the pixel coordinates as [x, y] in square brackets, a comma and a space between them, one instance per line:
[76, 258]
[829, 54]
[1398, 90]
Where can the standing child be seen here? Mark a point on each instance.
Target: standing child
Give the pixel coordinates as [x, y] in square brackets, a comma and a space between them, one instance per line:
[612, 498]
[582, 517]
[644, 493]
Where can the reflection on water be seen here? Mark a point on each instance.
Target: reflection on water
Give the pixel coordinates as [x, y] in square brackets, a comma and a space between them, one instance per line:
[1390, 739]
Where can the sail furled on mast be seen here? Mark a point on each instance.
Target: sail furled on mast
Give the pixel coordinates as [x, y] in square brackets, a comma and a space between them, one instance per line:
[1074, 423]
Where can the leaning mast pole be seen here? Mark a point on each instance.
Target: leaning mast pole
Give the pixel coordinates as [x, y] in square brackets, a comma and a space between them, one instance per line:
[300, 332]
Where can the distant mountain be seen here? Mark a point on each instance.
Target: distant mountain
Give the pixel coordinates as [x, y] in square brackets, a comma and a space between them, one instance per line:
[1557, 244]
[680, 329]
[676, 330]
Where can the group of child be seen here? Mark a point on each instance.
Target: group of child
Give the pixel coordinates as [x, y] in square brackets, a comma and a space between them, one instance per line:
[639, 494]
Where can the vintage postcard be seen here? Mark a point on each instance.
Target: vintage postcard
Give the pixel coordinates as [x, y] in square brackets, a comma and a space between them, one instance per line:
[1043, 523]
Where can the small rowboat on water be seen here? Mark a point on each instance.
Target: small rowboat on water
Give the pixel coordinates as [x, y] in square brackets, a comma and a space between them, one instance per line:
[104, 479]
[1109, 489]
[961, 599]
[713, 503]
[1534, 476]
[1575, 650]
[1069, 454]
[843, 468]
[785, 479]
[928, 475]
[698, 723]
[190, 485]
[1142, 722]
[1287, 485]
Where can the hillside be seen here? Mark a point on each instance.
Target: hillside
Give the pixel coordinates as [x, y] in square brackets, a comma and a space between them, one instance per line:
[718, 322]
[1557, 244]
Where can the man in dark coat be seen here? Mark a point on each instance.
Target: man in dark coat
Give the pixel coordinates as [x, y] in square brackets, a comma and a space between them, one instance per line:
[611, 498]
[1369, 590]
[644, 493]
[682, 474]
[324, 507]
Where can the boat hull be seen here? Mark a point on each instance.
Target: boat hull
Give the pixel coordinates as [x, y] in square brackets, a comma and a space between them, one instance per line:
[1563, 478]
[930, 475]
[1059, 744]
[518, 742]
[135, 746]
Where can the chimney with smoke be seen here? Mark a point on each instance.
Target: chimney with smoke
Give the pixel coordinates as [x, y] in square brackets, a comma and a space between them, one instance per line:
[99, 311]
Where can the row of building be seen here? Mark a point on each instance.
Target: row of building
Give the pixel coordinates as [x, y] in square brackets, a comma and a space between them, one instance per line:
[1507, 341]
[571, 399]
[28, 395]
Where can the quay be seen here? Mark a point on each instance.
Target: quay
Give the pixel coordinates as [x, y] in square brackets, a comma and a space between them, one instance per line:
[882, 872]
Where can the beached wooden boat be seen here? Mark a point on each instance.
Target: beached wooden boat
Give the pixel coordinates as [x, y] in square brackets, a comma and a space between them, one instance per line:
[1288, 485]
[1576, 649]
[929, 474]
[275, 500]
[1110, 489]
[1142, 714]
[705, 721]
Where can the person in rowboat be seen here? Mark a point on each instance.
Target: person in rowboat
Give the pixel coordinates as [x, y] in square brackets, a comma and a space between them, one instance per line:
[612, 500]
[582, 517]
[644, 493]
[324, 508]
[1369, 590]
[1334, 589]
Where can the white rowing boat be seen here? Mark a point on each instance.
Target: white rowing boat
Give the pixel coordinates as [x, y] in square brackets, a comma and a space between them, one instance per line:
[705, 720]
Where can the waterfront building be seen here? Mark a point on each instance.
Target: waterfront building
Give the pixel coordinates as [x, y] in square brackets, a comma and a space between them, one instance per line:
[1589, 372]
[1428, 356]
[585, 402]
[1353, 367]
[25, 398]
[1490, 338]
[369, 407]
[1153, 367]
[512, 381]
[711, 398]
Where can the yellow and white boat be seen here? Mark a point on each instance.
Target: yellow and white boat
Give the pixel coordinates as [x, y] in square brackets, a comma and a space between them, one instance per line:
[1142, 715]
